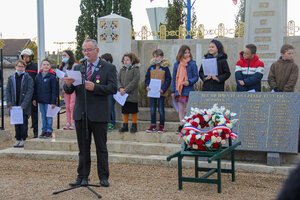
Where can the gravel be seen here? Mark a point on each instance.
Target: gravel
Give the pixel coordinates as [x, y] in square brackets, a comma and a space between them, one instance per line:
[37, 179]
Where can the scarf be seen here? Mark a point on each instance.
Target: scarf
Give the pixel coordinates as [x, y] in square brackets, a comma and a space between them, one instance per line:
[181, 75]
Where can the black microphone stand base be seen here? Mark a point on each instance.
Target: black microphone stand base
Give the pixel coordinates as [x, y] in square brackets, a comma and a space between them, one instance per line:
[88, 186]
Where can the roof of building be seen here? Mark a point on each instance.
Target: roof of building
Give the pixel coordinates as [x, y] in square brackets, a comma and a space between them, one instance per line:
[13, 47]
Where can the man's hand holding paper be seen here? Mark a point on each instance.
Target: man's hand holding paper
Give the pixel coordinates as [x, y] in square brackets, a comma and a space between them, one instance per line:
[69, 81]
[75, 75]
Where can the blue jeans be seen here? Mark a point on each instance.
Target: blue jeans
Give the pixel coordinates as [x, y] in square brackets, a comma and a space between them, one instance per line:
[112, 102]
[161, 109]
[46, 121]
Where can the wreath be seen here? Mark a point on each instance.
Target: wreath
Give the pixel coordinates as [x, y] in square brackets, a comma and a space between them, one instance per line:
[208, 129]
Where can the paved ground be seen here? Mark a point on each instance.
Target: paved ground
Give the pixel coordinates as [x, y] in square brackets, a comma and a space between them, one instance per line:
[23, 179]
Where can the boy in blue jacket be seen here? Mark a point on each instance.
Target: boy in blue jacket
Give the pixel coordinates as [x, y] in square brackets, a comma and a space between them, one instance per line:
[45, 92]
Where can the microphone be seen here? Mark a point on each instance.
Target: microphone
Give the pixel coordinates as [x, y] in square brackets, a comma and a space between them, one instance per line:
[82, 60]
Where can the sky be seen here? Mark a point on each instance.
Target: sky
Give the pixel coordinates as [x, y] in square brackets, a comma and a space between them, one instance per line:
[18, 18]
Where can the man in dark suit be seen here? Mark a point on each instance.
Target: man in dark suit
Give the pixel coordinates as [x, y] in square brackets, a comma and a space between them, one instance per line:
[101, 81]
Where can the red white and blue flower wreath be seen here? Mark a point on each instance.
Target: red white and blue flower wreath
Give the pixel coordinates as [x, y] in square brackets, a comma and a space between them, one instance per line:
[208, 129]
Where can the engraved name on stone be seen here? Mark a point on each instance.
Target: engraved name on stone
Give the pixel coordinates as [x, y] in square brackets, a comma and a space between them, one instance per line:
[267, 55]
[263, 21]
[264, 4]
[263, 39]
[263, 47]
[263, 13]
[263, 30]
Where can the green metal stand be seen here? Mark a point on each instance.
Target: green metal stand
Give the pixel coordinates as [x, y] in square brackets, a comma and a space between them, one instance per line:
[211, 156]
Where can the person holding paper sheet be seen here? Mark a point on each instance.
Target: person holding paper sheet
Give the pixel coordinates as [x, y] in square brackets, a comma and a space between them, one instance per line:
[215, 82]
[185, 75]
[68, 63]
[159, 69]
[249, 70]
[45, 92]
[19, 91]
[128, 82]
[101, 81]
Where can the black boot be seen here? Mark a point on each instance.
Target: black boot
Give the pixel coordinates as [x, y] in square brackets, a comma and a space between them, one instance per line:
[124, 128]
[179, 129]
[35, 134]
[133, 128]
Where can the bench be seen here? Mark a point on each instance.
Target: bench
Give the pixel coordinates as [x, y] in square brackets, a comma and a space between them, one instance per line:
[211, 156]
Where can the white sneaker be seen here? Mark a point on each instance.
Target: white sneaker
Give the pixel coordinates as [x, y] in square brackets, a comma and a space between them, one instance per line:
[21, 144]
[17, 143]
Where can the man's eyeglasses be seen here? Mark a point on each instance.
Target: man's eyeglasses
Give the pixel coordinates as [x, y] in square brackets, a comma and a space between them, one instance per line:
[88, 50]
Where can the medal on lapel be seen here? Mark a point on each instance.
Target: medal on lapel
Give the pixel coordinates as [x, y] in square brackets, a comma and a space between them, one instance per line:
[97, 78]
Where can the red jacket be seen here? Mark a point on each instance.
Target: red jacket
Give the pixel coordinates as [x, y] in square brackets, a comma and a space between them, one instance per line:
[249, 71]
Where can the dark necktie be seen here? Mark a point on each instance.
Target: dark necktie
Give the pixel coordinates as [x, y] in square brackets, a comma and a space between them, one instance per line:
[89, 71]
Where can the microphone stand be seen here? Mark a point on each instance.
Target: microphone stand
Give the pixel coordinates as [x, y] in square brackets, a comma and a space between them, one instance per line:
[85, 129]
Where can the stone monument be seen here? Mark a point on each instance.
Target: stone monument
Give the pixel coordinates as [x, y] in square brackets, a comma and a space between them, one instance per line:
[114, 37]
[266, 27]
[267, 122]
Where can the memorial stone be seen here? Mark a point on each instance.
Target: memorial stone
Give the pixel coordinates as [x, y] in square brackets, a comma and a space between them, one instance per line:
[114, 37]
[267, 122]
[266, 27]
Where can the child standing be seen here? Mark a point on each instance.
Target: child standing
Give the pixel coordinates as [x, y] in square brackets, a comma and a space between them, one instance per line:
[45, 93]
[159, 69]
[111, 126]
[249, 70]
[215, 83]
[283, 74]
[19, 92]
[185, 75]
[128, 82]
[68, 63]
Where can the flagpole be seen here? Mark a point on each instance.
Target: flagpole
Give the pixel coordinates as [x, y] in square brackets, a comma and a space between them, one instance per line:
[189, 7]
[41, 44]
[188, 19]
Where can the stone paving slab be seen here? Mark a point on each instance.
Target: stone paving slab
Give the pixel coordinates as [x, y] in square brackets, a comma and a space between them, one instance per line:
[140, 159]
[141, 136]
[115, 146]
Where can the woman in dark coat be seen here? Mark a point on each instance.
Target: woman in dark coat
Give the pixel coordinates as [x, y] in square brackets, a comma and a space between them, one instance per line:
[216, 83]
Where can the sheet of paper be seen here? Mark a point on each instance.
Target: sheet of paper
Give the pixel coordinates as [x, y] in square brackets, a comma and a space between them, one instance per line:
[60, 74]
[155, 85]
[52, 112]
[210, 67]
[76, 75]
[253, 90]
[16, 115]
[120, 99]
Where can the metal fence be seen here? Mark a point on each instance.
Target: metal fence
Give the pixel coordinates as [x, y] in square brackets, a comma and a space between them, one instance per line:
[200, 32]
[197, 33]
